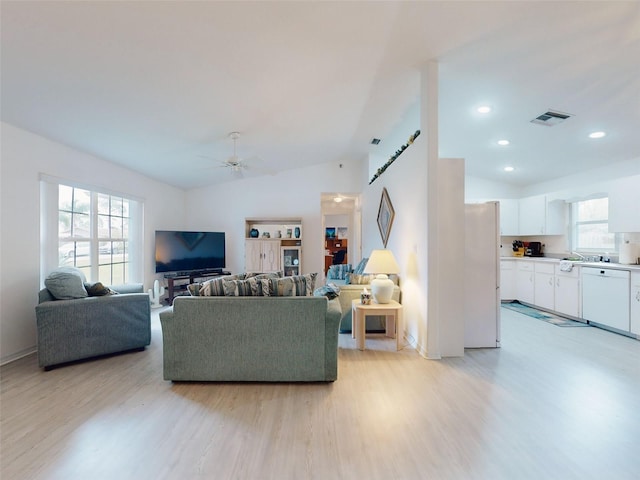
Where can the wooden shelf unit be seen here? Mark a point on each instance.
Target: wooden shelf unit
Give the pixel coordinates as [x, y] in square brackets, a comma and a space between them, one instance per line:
[260, 251]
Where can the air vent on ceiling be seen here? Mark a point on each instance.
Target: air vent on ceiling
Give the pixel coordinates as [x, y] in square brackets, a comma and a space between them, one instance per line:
[375, 141]
[551, 118]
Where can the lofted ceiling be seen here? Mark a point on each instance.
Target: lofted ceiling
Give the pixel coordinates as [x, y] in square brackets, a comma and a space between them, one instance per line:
[158, 86]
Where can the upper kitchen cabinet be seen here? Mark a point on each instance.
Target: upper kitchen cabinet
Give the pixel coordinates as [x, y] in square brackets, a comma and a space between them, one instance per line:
[509, 216]
[624, 205]
[537, 216]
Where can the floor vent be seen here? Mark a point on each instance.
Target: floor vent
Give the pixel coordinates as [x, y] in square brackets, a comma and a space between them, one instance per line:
[551, 118]
[375, 141]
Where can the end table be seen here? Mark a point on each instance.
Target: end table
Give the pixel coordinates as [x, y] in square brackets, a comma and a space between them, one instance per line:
[393, 322]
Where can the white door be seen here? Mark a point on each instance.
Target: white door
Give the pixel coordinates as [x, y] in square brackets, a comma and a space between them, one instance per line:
[482, 276]
[270, 256]
[253, 255]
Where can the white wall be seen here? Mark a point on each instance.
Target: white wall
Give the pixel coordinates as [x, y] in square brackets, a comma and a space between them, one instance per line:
[405, 181]
[577, 186]
[294, 193]
[24, 156]
[338, 221]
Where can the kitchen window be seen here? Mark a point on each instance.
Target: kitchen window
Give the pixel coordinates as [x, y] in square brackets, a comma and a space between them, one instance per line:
[590, 222]
[95, 231]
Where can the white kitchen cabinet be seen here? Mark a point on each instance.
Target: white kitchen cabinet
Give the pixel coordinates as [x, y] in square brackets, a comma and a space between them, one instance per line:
[567, 291]
[262, 255]
[537, 216]
[635, 303]
[509, 216]
[525, 281]
[531, 216]
[624, 205]
[507, 279]
[544, 285]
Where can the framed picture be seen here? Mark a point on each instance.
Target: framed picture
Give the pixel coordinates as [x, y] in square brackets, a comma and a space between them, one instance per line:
[385, 216]
[330, 232]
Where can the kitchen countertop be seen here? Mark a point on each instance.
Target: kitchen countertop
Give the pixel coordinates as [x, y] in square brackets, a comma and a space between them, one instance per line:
[615, 266]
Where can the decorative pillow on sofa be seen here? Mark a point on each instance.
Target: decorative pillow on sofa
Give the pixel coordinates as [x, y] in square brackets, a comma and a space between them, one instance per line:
[242, 288]
[277, 287]
[66, 283]
[98, 289]
[304, 284]
[260, 276]
[358, 279]
[215, 286]
[338, 272]
[330, 290]
[360, 267]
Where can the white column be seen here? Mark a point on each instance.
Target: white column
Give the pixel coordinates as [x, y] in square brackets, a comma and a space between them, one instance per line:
[429, 128]
[445, 232]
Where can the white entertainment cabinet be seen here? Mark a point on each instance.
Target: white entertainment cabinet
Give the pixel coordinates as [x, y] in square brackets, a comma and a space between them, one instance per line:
[277, 246]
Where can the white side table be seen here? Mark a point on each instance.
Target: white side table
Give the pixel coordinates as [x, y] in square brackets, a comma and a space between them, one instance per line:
[393, 324]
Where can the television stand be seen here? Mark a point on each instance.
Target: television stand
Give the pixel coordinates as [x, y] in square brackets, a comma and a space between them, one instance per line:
[177, 283]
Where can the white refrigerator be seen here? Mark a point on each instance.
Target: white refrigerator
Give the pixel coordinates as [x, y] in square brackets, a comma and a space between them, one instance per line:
[482, 275]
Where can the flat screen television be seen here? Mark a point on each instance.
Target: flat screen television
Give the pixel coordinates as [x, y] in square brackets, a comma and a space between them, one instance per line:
[180, 251]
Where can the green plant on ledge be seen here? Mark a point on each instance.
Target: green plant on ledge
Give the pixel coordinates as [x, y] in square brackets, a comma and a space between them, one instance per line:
[393, 157]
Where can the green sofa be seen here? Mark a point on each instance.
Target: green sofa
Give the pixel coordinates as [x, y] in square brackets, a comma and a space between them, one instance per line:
[251, 339]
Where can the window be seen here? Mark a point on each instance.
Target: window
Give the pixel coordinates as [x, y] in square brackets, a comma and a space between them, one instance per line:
[93, 230]
[97, 232]
[590, 233]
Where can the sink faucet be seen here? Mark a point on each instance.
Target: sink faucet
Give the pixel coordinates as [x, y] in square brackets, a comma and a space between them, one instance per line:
[582, 257]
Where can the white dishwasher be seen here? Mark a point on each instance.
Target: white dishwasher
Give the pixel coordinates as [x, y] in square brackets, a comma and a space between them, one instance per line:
[605, 296]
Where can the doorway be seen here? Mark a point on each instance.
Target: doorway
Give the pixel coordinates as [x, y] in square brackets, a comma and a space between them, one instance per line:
[341, 229]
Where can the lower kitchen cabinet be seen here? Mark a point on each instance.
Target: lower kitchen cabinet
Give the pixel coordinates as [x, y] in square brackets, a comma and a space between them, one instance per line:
[567, 291]
[525, 281]
[544, 285]
[635, 303]
[507, 280]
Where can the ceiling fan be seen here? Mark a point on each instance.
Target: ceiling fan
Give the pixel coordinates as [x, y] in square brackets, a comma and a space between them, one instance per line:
[238, 165]
[234, 162]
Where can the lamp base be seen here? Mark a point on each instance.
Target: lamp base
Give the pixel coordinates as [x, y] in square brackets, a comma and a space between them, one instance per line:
[382, 288]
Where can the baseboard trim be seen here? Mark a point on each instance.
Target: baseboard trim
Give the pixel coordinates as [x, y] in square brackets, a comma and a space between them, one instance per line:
[18, 355]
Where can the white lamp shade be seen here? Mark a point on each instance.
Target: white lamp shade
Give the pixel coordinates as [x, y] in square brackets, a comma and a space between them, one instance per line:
[382, 262]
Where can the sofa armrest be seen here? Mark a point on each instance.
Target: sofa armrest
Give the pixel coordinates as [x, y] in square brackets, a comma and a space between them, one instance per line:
[332, 327]
[128, 288]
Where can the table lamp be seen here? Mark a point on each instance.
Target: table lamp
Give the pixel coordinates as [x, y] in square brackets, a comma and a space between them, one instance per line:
[381, 263]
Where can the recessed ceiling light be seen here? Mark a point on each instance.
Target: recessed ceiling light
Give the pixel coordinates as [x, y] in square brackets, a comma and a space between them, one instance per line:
[503, 142]
[508, 169]
[337, 199]
[484, 109]
[597, 134]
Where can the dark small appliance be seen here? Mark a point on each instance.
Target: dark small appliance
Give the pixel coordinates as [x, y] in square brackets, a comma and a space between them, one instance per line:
[534, 249]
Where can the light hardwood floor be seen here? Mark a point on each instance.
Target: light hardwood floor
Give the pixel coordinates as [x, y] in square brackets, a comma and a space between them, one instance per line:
[552, 403]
